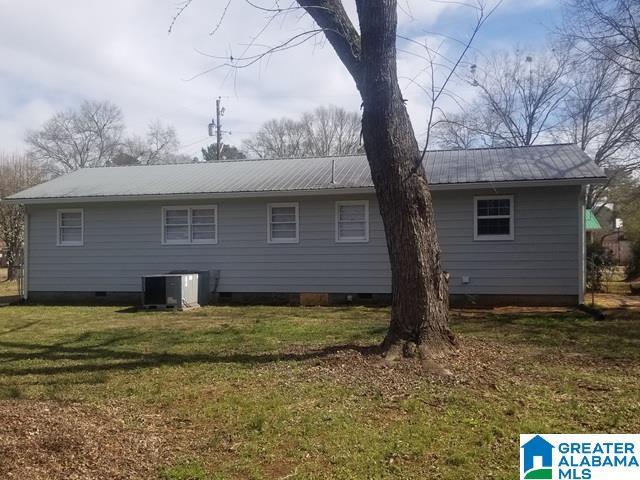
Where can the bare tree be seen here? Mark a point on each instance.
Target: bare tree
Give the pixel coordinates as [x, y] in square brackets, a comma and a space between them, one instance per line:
[456, 133]
[162, 141]
[420, 313]
[17, 172]
[324, 131]
[601, 115]
[519, 98]
[331, 131]
[283, 138]
[86, 137]
[160, 145]
[606, 29]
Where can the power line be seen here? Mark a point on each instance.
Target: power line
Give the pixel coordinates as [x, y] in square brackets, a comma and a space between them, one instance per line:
[183, 147]
[355, 95]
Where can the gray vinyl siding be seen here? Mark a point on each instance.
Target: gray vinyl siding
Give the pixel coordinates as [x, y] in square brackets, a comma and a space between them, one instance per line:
[122, 241]
[543, 258]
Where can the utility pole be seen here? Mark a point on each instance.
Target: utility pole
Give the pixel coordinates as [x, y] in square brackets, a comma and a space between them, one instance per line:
[218, 130]
[217, 124]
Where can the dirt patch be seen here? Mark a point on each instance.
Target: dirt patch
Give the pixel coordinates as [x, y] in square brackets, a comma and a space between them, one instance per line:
[478, 364]
[615, 301]
[46, 440]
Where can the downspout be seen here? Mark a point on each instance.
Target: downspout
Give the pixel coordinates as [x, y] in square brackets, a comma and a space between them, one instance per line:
[25, 254]
[582, 251]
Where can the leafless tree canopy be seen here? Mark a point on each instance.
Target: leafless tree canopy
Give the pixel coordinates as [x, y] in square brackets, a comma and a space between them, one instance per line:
[587, 92]
[456, 133]
[602, 112]
[602, 116]
[325, 131]
[17, 172]
[93, 135]
[517, 103]
[159, 145]
[73, 139]
[606, 29]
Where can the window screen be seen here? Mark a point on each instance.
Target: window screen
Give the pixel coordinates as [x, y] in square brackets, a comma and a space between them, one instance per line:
[352, 221]
[190, 224]
[70, 227]
[283, 223]
[203, 225]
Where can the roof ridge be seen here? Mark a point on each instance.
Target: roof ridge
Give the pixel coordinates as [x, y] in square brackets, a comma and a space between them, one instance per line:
[234, 160]
[557, 144]
[288, 158]
[271, 159]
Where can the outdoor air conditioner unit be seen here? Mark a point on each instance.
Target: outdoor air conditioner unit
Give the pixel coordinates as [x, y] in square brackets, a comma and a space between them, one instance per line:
[178, 291]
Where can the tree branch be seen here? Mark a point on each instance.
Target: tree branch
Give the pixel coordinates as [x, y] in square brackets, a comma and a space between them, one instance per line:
[331, 16]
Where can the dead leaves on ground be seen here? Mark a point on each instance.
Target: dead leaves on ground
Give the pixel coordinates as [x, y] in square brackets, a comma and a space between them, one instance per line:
[49, 440]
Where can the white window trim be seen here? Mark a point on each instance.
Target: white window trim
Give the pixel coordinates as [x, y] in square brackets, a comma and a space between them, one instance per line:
[483, 238]
[189, 241]
[364, 239]
[59, 241]
[283, 240]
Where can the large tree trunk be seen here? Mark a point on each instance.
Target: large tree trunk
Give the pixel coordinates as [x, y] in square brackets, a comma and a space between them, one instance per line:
[420, 310]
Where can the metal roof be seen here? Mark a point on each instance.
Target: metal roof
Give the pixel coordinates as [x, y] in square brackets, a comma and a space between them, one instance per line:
[444, 168]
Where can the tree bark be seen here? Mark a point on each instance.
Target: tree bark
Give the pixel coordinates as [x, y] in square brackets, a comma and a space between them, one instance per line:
[420, 309]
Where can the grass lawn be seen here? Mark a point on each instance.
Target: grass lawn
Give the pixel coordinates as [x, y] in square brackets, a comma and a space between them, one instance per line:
[277, 392]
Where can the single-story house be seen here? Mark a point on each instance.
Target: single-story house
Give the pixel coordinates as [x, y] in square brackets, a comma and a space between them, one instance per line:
[510, 223]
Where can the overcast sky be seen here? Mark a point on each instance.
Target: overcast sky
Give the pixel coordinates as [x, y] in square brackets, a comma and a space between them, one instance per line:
[55, 54]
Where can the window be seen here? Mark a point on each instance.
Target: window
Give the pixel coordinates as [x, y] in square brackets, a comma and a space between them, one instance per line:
[183, 225]
[70, 227]
[493, 218]
[282, 223]
[203, 225]
[352, 221]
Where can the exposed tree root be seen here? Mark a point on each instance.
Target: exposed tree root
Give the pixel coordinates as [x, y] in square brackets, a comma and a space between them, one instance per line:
[433, 356]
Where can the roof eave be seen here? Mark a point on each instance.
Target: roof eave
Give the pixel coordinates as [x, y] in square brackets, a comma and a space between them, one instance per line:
[191, 196]
[519, 183]
[290, 193]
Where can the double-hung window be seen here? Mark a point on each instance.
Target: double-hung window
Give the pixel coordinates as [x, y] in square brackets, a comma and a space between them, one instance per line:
[352, 221]
[184, 225]
[70, 227]
[493, 218]
[282, 223]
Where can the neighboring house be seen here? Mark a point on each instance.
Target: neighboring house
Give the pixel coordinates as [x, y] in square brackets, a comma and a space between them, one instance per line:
[510, 223]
